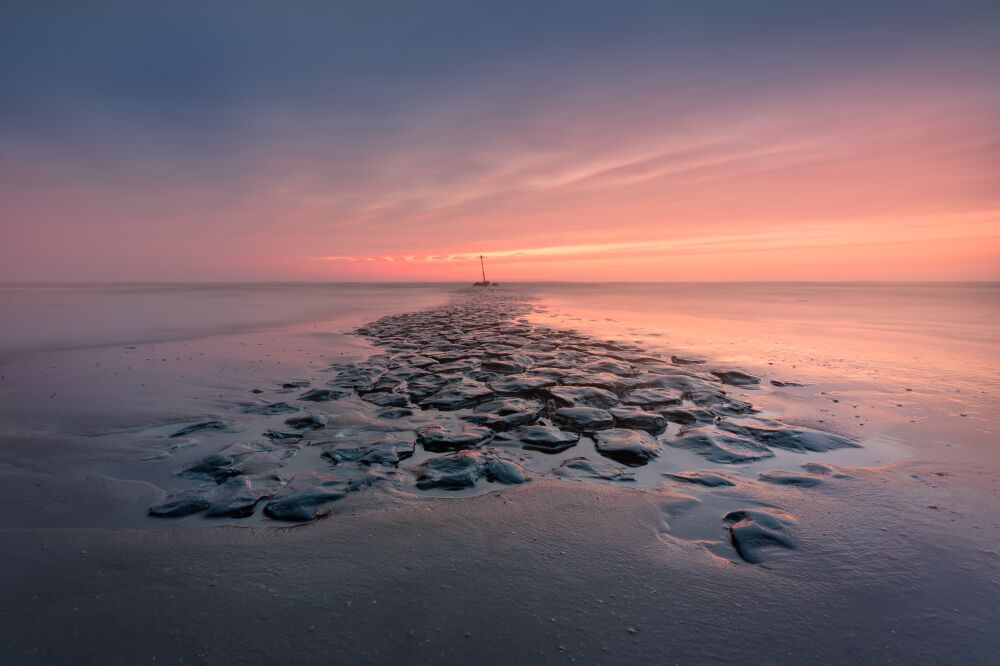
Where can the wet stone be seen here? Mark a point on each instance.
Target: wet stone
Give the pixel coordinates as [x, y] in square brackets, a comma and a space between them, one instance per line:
[272, 408]
[630, 447]
[457, 397]
[708, 479]
[182, 504]
[686, 360]
[585, 468]
[736, 378]
[520, 384]
[502, 366]
[386, 399]
[549, 439]
[304, 497]
[722, 448]
[825, 469]
[201, 427]
[688, 417]
[583, 396]
[583, 419]
[639, 419]
[649, 398]
[322, 395]
[784, 478]
[462, 469]
[452, 436]
[370, 449]
[238, 497]
[283, 437]
[395, 413]
[753, 531]
[306, 422]
[792, 438]
[505, 413]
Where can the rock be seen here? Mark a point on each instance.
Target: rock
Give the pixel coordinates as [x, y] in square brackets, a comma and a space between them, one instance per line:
[386, 399]
[295, 384]
[183, 503]
[639, 419]
[784, 478]
[453, 436]
[722, 448]
[306, 422]
[781, 384]
[824, 468]
[792, 438]
[630, 447]
[753, 530]
[505, 413]
[586, 468]
[503, 367]
[520, 384]
[735, 377]
[304, 496]
[238, 497]
[395, 413]
[549, 439]
[322, 395]
[688, 416]
[709, 479]
[283, 437]
[462, 469]
[653, 397]
[200, 427]
[214, 467]
[272, 408]
[583, 419]
[686, 360]
[457, 397]
[583, 396]
[609, 366]
[370, 449]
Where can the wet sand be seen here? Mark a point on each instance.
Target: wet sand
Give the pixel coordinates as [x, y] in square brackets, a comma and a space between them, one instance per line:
[814, 541]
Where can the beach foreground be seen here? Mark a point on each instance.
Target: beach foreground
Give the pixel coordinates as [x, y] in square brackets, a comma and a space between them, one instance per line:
[550, 494]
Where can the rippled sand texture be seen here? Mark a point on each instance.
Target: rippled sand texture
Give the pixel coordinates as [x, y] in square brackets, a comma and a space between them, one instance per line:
[470, 397]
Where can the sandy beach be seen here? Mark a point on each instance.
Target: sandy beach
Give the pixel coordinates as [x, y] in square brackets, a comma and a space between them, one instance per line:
[496, 475]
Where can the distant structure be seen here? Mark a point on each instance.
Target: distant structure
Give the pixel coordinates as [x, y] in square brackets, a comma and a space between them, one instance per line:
[485, 282]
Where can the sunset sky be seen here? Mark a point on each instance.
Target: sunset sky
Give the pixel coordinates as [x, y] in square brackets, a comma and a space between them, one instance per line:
[565, 140]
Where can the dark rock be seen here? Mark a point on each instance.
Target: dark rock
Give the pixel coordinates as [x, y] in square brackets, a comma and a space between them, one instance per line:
[686, 360]
[583, 419]
[585, 468]
[722, 448]
[784, 478]
[283, 437]
[395, 413]
[199, 427]
[453, 436]
[295, 384]
[238, 497]
[582, 396]
[505, 413]
[630, 447]
[709, 479]
[521, 384]
[214, 467]
[735, 377]
[457, 397]
[306, 422]
[273, 408]
[653, 397]
[688, 416]
[322, 395]
[781, 384]
[792, 438]
[183, 503]
[305, 496]
[502, 366]
[370, 449]
[549, 439]
[462, 469]
[753, 530]
[638, 418]
[386, 399]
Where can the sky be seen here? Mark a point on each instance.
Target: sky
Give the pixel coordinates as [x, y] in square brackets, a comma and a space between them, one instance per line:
[562, 139]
